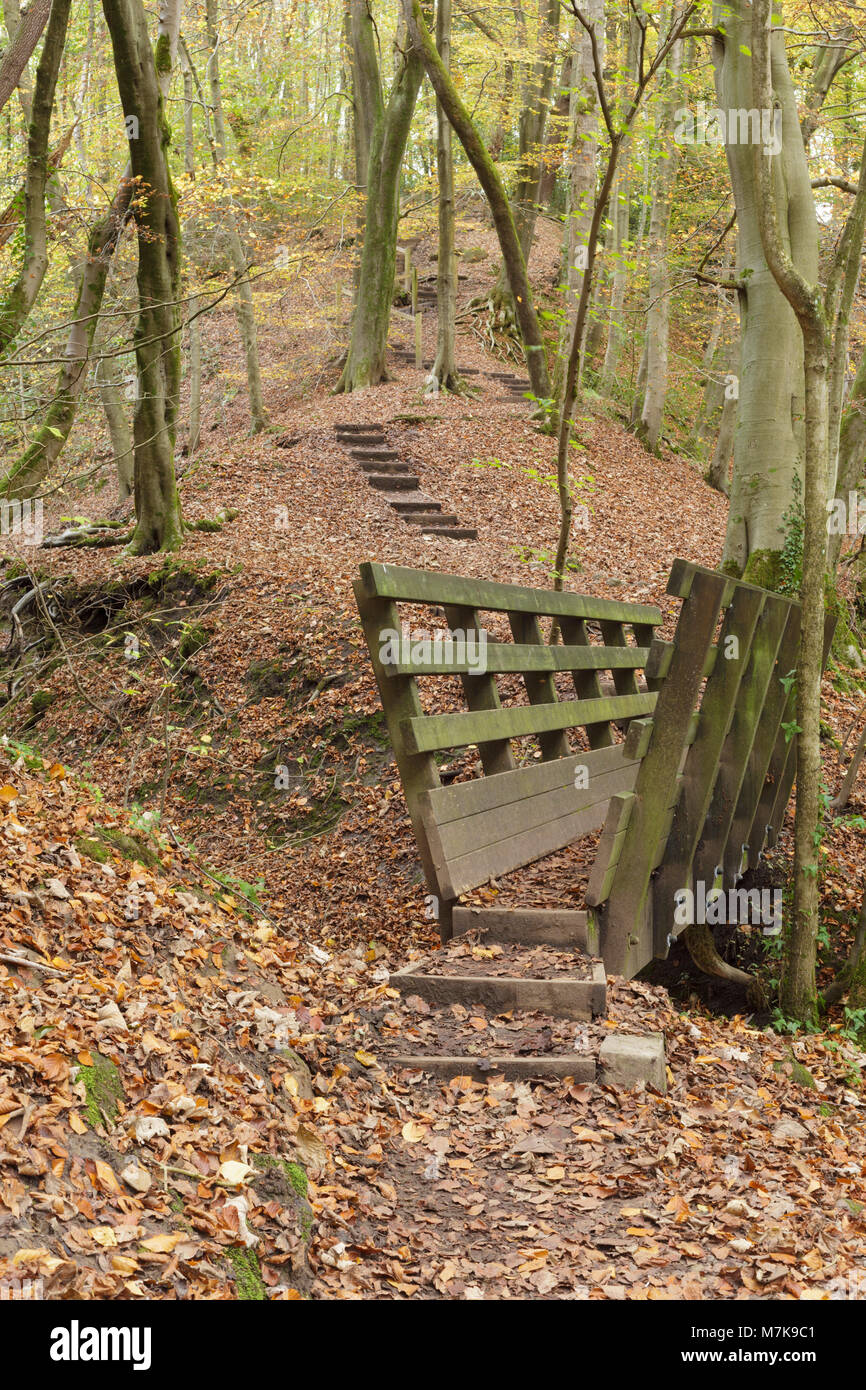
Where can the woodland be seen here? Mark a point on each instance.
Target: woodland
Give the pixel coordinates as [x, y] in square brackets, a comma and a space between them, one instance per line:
[586, 274]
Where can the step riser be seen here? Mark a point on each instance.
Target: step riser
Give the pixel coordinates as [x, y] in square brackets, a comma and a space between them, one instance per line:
[414, 508]
[431, 518]
[399, 482]
[384, 468]
[375, 455]
[532, 928]
[454, 533]
[582, 1068]
[578, 999]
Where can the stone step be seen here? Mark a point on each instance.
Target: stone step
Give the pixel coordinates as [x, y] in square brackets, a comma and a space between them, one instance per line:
[393, 482]
[426, 519]
[562, 927]
[419, 503]
[563, 998]
[455, 533]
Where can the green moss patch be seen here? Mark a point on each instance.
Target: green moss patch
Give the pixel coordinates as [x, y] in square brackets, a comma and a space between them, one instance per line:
[103, 1088]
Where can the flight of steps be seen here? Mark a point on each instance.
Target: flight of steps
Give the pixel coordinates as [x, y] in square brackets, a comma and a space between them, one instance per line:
[388, 473]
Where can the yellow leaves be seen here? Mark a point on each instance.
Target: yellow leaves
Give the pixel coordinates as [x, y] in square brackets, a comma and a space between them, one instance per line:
[365, 1058]
[57, 772]
[8, 794]
[234, 1173]
[413, 1133]
[164, 1244]
[124, 1264]
[104, 1236]
[537, 1260]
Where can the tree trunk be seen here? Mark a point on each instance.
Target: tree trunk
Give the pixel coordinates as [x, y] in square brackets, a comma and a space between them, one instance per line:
[769, 71]
[389, 131]
[24, 34]
[488, 176]
[658, 313]
[118, 428]
[583, 145]
[445, 366]
[244, 308]
[157, 334]
[20, 298]
[769, 440]
[27, 472]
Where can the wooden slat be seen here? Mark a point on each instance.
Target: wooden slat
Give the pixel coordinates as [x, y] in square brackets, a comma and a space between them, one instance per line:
[657, 776]
[746, 838]
[624, 680]
[447, 804]
[524, 813]
[586, 683]
[785, 781]
[609, 848]
[702, 761]
[540, 685]
[429, 586]
[482, 693]
[470, 870]
[435, 732]
[515, 658]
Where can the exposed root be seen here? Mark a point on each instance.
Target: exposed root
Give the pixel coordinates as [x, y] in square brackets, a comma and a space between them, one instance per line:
[702, 949]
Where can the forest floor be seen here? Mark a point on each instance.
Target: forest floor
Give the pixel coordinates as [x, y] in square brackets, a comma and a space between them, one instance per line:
[239, 737]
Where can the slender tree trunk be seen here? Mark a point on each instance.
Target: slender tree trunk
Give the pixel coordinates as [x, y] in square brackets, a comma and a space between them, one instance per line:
[583, 145]
[20, 298]
[244, 307]
[445, 366]
[769, 64]
[118, 427]
[658, 312]
[497, 198]
[42, 452]
[194, 375]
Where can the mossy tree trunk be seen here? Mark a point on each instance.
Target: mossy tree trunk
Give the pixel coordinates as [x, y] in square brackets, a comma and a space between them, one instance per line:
[42, 452]
[384, 129]
[21, 296]
[488, 177]
[157, 334]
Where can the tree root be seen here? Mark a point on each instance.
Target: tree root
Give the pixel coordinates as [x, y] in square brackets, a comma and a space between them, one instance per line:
[101, 533]
[702, 949]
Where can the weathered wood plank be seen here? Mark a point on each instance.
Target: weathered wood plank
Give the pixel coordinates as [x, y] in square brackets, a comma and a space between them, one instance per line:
[462, 799]
[439, 731]
[418, 771]
[585, 679]
[609, 848]
[540, 686]
[524, 813]
[429, 586]
[427, 658]
[746, 838]
[481, 694]
[658, 772]
[701, 768]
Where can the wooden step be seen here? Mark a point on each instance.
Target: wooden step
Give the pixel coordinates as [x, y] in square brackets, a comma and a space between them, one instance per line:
[533, 926]
[418, 503]
[386, 467]
[579, 1065]
[363, 441]
[348, 427]
[375, 455]
[432, 518]
[455, 533]
[393, 482]
[563, 998]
